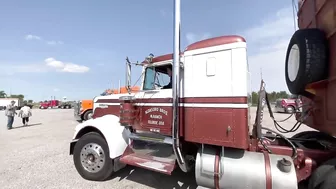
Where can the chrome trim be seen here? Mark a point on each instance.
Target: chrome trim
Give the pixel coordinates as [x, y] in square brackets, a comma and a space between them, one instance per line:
[151, 138]
[176, 88]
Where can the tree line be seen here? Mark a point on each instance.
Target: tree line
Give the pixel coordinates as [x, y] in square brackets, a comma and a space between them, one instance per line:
[272, 96]
[3, 94]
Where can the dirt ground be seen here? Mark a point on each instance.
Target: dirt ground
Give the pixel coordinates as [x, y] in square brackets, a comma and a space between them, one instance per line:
[37, 156]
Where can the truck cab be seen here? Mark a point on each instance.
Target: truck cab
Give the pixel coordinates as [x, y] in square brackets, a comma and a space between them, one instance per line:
[83, 110]
[201, 123]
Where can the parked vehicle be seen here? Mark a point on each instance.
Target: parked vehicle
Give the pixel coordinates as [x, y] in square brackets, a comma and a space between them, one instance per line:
[5, 101]
[49, 104]
[287, 105]
[209, 131]
[66, 105]
[83, 109]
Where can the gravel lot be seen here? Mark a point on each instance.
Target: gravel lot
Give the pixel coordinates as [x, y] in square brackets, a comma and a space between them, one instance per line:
[37, 157]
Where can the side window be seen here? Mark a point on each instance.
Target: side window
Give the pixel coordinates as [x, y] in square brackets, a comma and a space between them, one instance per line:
[156, 78]
[163, 79]
[149, 79]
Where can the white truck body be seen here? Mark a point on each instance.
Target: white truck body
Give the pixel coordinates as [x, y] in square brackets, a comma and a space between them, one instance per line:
[5, 101]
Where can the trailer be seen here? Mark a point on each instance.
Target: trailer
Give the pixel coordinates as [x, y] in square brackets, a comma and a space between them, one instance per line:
[6, 101]
[209, 131]
[66, 105]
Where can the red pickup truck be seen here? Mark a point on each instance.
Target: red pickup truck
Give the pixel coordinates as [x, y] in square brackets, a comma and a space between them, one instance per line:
[287, 105]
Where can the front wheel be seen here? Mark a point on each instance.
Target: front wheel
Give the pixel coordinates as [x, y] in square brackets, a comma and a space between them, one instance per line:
[92, 158]
[88, 115]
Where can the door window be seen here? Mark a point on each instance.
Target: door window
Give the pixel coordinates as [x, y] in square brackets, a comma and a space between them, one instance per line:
[156, 77]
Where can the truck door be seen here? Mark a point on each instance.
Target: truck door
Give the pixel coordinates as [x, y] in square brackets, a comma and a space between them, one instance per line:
[154, 103]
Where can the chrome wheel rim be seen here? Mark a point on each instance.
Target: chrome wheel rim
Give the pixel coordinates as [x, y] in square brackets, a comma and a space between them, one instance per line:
[293, 63]
[90, 115]
[92, 157]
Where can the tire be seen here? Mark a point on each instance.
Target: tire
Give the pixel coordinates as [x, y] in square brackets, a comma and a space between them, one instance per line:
[87, 115]
[321, 175]
[290, 109]
[313, 135]
[306, 59]
[105, 169]
[330, 181]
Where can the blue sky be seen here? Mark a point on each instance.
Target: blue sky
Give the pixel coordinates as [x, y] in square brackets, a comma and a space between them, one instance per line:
[91, 39]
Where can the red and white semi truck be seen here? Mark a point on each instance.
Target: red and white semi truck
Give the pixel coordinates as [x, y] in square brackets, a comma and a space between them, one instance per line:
[210, 131]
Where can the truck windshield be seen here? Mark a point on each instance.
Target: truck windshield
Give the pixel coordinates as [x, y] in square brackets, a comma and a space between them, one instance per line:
[149, 78]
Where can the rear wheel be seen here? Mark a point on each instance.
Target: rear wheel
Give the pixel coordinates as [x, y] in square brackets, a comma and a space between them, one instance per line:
[289, 109]
[330, 181]
[92, 158]
[306, 59]
[324, 177]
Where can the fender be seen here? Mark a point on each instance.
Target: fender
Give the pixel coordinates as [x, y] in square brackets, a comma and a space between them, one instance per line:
[115, 135]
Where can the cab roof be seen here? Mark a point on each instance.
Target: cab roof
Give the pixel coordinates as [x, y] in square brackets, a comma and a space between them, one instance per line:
[215, 41]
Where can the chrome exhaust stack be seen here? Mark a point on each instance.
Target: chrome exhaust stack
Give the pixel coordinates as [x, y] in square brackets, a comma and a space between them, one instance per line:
[176, 89]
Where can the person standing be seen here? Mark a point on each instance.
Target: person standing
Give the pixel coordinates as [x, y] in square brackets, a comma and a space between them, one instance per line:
[10, 113]
[169, 85]
[25, 113]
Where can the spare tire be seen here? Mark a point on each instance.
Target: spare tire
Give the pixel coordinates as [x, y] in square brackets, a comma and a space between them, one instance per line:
[306, 59]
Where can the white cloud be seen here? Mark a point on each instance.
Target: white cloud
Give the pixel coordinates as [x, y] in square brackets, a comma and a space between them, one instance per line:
[11, 69]
[65, 67]
[48, 42]
[55, 42]
[268, 43]
[192, 37]
[75, 68]
[32, 37]
[54, 63]
[50, 64]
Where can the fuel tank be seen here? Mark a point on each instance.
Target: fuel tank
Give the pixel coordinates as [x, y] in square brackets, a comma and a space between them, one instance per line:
[234, 168]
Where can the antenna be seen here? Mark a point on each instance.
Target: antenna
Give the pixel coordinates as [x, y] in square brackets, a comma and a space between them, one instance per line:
[261, 76]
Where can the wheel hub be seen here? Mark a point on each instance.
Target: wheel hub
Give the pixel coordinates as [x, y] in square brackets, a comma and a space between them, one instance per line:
[293, 63]
[92, 157]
